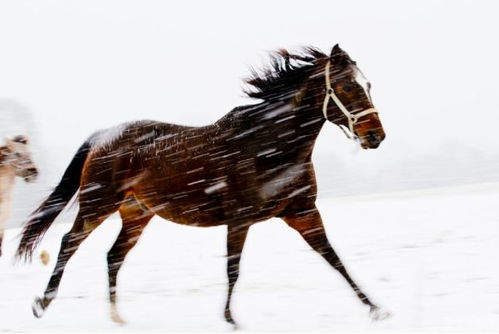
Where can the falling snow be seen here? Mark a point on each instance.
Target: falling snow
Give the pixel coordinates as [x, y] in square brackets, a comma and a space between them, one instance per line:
[215, 187]
[424, 252]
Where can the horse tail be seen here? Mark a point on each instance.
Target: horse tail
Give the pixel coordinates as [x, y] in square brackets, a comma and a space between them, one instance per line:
[41, 219]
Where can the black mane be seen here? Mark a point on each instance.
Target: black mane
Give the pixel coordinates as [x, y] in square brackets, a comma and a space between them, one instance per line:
[284, 74]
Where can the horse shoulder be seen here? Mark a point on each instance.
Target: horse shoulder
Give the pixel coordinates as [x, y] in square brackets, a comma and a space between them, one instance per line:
[303, 193]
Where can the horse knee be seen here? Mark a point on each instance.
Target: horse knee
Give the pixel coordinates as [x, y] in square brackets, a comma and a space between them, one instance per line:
[90, 224]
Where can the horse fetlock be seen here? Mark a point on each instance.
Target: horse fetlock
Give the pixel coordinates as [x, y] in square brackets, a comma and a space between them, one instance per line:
[39, 306]
[229, 319]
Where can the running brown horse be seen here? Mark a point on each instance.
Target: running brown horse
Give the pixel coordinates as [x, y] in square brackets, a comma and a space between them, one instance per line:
[251, 165]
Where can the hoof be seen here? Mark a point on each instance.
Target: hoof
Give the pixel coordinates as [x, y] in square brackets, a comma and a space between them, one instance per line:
[230, 320]
[38, 308]
[117, 319]
[377, 313]
[115, 316]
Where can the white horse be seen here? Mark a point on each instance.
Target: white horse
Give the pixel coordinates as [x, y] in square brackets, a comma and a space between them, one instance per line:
[15, 160]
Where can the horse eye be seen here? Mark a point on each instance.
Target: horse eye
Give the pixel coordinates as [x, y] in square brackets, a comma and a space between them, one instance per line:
[18, 154]
[347, 88]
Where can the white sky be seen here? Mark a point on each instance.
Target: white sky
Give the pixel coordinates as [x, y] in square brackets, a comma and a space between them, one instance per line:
[84, 65]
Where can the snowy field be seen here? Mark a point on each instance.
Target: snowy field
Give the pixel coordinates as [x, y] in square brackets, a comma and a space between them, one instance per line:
[428, 256]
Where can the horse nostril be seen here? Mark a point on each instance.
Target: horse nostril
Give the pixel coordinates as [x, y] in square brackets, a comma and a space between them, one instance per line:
[373, 137]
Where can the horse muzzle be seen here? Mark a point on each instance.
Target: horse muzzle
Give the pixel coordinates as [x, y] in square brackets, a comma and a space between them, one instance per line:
[372, 139]
[31, 175]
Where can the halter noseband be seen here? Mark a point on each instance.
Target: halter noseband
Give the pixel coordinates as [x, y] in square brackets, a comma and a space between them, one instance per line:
[352, 118]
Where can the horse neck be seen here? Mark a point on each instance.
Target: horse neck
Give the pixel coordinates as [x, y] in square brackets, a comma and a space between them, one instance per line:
[7, 177]
[287, 126]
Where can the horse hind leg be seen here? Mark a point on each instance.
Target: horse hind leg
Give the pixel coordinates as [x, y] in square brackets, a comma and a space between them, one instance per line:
[135, 218]
[85, 223]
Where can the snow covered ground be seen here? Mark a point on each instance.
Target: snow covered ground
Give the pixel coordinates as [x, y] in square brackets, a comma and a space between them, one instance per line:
[427, 256]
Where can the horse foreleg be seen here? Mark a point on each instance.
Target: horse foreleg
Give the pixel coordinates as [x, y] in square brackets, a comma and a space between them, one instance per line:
[135, 220]
[69, 244]
[236, 235]
[312, 230]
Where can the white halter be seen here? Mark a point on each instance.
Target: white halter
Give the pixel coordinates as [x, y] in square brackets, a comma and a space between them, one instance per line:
[352, 118]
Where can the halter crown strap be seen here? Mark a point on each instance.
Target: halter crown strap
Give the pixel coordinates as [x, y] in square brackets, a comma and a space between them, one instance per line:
[330, 94]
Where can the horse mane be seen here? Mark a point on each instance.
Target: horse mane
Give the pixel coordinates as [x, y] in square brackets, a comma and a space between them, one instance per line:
[285, 73]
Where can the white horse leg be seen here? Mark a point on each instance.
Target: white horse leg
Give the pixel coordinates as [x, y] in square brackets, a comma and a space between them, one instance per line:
[4, 215]
[6, 183]
[2, 221]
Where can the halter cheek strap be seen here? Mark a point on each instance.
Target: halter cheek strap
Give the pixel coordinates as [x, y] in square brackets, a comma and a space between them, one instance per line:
[352, 118]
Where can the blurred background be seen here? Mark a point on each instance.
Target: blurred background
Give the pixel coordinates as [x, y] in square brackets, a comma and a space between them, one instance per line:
[68, 69]
[415, 221]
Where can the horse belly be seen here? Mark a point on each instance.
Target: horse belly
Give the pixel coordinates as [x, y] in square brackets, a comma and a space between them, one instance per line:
[183, 206]
[186, 214]
[201, 198]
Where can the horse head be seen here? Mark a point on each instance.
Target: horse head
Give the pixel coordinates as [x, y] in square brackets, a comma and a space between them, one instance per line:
[321, 87]
[346, 100]
[16, 155]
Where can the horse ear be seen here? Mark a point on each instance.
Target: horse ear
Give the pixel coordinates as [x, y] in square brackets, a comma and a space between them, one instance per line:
[20, 139]
[339, 57]
[336, 50]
